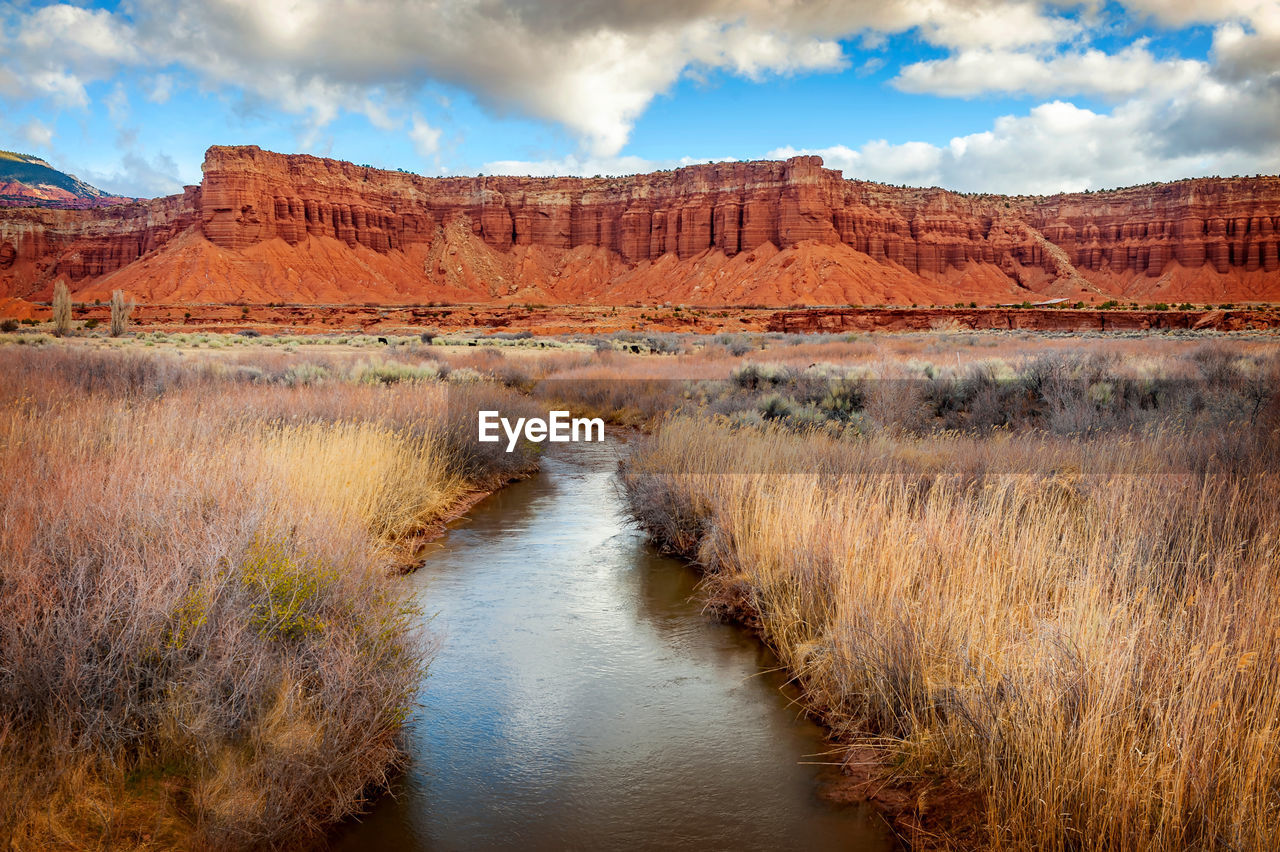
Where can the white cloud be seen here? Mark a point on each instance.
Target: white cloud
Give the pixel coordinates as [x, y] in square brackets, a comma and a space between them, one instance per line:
[573, 165]
[1173, 117]
[78, 35]
[137, 176]
[1130, 71]
[595, 66]
[161, 89]
[871, 66]
[57, 50]
[65, 89]
[1243, 53]
[998, 26]
[36, 133]
[378, 114]
[589, 166]
[1056, 147]
[118, 104]
[10, 84]
[595, 75]
[426, 139]
[1183, 12]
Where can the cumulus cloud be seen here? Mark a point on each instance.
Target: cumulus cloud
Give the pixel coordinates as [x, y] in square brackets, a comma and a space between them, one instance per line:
[36, 133]
[1172, 116]
[137, 176]
[55, 51]
[1183, 12]
[1056, 147]
[595, 66]
[63, 88]
[1245, 54]
[83, 37]
[997, 26]
[1130, 71]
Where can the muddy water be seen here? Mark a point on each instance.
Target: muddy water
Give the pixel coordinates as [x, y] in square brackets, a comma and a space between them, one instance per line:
[581, 699]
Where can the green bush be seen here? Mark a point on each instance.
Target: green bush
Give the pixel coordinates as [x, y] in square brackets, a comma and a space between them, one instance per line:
[393, 372]
[288, 595]
[752, 376]
[304, 374]
[775, 407]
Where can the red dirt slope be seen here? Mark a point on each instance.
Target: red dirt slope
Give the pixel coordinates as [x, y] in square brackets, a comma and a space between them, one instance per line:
[266, 228]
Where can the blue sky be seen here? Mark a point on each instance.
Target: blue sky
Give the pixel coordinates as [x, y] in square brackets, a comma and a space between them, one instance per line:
[976, 95]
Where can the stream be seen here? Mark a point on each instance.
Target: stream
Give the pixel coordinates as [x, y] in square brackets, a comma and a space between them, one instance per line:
[581, 699]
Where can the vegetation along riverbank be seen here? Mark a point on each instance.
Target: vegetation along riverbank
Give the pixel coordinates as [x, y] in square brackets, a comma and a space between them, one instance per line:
[1033, 576]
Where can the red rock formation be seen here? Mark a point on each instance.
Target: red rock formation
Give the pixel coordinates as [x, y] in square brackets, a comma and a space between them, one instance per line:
[39, 246]
[266, 227]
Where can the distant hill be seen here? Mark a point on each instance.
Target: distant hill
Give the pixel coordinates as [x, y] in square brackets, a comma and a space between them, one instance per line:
[27, 181]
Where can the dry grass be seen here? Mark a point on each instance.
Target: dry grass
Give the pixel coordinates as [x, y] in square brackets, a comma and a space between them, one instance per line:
[200, 644]
[1091, 645]
[200, 640]
[394, 481]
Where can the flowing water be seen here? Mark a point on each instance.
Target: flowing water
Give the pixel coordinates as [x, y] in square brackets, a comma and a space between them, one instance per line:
[581, 699]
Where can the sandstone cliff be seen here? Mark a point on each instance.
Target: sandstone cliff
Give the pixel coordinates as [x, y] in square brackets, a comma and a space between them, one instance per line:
[265, 227]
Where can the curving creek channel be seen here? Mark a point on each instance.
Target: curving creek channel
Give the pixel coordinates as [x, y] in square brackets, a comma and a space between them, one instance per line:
[581, 699]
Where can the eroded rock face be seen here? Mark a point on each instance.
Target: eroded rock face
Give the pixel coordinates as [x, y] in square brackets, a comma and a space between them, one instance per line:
[252, 195]
[1224, 223]
[283, 222]
[39, 246]
[249, 196]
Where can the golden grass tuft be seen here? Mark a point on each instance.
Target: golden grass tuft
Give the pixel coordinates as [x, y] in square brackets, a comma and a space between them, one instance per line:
[1098, 653]
[394, 480]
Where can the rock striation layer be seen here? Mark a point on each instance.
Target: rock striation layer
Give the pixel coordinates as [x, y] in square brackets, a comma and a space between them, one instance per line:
[267, 227]
[39, 246]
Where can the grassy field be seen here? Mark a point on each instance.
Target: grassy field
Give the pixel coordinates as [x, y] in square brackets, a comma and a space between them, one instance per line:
[1038, 569]
[1051, 578]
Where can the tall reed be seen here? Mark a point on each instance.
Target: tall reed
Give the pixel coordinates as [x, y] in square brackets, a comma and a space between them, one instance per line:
[1093, 646]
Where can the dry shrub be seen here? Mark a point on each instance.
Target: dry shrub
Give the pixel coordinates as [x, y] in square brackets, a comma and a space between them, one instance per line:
[61, 309]
[201, 643]
[120, 312]
[390, 479]
[1093, 646]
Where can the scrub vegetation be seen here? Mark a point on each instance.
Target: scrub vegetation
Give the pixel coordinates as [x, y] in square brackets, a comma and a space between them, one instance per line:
[1051, 580]
[203, 642]
[1040, 570]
